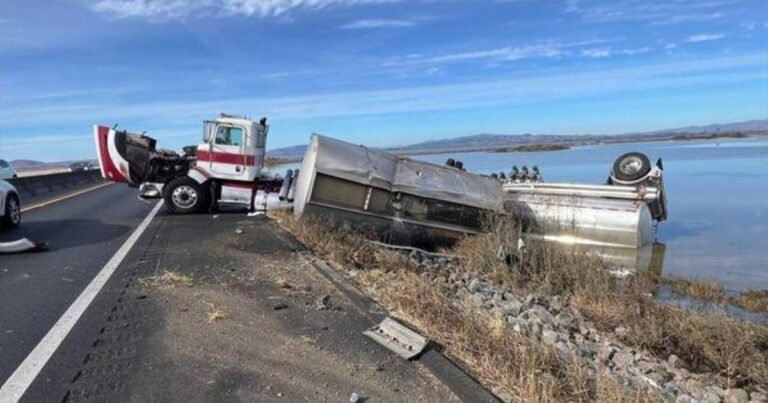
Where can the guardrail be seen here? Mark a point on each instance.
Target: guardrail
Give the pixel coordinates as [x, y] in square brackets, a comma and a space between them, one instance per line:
[32, 186]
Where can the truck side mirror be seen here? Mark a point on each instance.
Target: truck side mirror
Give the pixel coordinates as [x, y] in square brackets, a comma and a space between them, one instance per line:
[209, 128]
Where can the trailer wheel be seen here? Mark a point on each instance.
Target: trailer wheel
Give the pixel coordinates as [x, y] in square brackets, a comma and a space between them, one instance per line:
[631, 166]
[185, 196]
[12, 215]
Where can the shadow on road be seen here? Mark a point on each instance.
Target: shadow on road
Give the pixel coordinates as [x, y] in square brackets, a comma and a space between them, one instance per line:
[64, 234]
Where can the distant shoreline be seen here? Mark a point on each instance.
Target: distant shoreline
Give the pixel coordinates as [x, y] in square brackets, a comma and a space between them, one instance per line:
[539, 147]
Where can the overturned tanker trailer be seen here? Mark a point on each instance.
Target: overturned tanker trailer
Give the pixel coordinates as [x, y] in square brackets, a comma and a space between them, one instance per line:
[414, 202]
[411, 201]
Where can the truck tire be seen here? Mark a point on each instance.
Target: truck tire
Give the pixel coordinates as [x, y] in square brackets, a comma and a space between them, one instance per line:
[12, 214]
[631, 166]
[185, 196]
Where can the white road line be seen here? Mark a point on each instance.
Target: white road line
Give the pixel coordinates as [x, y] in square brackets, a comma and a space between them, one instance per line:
[25, 374]
[64, 197]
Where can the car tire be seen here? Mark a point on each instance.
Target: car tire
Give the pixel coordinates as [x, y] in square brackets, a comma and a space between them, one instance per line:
[185, 196]
[12, 214]
[631, 167]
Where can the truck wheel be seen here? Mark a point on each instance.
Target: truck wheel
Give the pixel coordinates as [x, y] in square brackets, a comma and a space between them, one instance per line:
[12, 216]
[185, 196]
[631, 167]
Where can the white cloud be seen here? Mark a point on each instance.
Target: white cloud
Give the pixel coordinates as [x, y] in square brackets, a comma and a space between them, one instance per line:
[542, 50]
[179, 9]
[654, 13]
[477, 94]
[372, 24]
[596, 52]
[704, 37]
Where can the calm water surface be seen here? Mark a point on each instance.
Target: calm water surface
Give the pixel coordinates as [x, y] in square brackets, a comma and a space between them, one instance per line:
[717, 193]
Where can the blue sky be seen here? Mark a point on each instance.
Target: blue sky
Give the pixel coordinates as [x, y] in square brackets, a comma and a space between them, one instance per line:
[379, 72]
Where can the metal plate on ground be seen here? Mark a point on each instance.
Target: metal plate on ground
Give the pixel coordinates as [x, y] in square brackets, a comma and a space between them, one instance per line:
[402, 341]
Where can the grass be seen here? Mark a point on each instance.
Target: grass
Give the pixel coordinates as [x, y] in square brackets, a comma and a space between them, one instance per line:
[517, 368]
[169, 279]
[215, 314]
[712, 291]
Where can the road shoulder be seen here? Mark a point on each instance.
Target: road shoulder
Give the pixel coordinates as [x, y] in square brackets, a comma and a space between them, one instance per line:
[224, 309]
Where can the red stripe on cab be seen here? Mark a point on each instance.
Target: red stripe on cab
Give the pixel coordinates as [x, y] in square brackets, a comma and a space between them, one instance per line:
[226, 158]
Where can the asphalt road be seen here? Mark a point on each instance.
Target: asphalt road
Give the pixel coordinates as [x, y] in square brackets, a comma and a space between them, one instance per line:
[83, 232]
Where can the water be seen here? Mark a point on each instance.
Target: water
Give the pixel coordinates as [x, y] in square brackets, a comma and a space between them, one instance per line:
[717, 193]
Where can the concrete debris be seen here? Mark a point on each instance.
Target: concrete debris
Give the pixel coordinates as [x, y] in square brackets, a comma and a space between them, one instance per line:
[570, 335]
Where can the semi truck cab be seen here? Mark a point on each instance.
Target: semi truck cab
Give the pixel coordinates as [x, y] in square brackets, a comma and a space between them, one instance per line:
[227, 167]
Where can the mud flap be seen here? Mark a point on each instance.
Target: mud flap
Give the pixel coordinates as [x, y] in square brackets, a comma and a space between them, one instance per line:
[399, 339]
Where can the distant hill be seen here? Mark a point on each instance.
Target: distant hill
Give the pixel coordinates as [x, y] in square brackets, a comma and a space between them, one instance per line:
[750, 125]
[491, 141]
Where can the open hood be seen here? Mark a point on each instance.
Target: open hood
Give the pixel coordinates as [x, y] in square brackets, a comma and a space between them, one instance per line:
[123, 156]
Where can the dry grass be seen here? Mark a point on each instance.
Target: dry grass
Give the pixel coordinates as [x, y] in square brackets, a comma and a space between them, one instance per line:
[711, 291]
[708, 290]
[515, 367]
[215, 314]
[752, 300]
[169, 279]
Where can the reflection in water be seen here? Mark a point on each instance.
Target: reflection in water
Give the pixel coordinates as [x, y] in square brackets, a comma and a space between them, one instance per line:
[649, 258]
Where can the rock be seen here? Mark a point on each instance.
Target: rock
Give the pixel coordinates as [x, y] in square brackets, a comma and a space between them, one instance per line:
[323, 303]
[717, 391]
[565, 321]
[534, 299]
[620, 331]
[475, 285]
[280, 306]
[511, 306]
[549, 337]
[709, 397]
[498, 297]
[606, 353]
[583, 330]
[534, 327]
[685, 398]
[758, 397]
[517, 325]
[673, 361]
[623, 359]
[680, 373]
[736, 396]
[539, 312]
[555, 304]
[563, 350]
[478, 299]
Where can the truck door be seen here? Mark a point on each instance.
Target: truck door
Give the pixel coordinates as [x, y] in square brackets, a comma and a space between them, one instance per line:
[227, 157]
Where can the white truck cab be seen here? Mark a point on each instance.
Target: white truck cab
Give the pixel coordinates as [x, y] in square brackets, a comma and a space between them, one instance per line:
[227, 167]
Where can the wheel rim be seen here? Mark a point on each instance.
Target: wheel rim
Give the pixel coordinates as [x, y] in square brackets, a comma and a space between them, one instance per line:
[14, 212]
[184, 196]
[631, 166]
